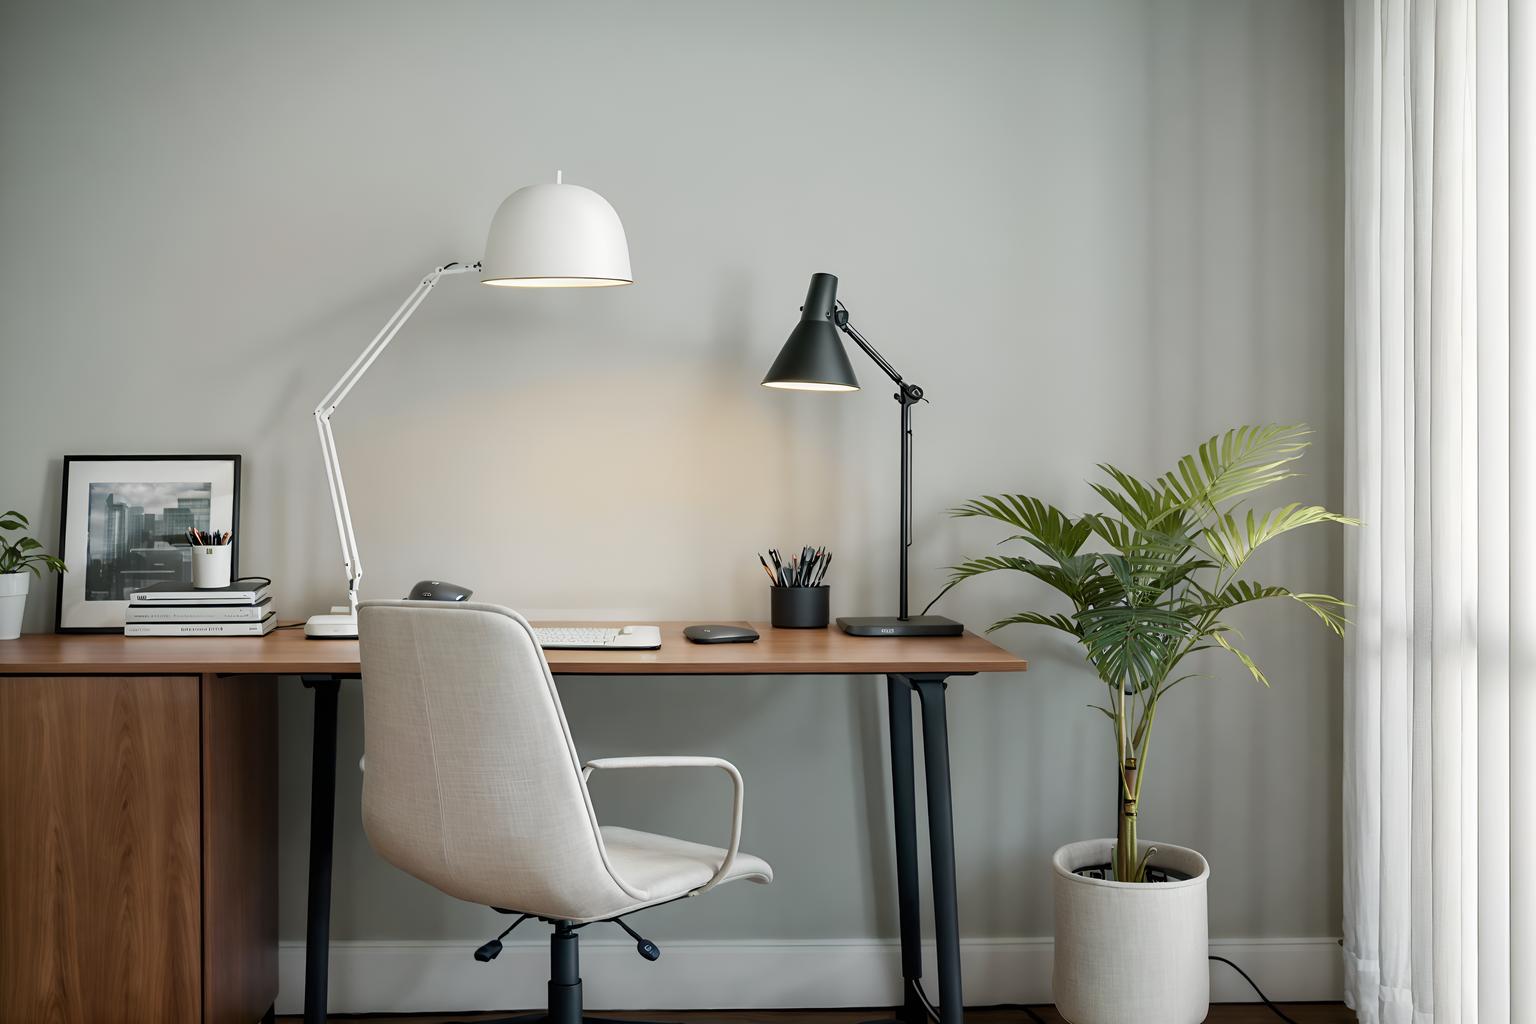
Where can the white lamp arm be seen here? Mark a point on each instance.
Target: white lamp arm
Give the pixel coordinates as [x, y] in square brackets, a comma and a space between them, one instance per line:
[351, 558]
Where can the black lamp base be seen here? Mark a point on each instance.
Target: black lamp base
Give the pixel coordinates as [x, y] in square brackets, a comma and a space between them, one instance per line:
[890, 625]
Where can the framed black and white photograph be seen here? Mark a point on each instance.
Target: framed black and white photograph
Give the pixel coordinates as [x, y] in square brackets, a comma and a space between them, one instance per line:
[123, 524]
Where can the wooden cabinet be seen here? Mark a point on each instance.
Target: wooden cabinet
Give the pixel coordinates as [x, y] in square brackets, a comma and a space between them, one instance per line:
[138, 832]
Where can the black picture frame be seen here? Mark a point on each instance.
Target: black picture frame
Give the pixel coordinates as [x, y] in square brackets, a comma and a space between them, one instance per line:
[66, 498]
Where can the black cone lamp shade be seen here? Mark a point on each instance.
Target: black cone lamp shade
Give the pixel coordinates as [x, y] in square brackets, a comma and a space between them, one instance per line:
[813, 359]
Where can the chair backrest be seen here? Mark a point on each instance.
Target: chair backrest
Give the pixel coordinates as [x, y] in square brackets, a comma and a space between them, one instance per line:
[472, 783]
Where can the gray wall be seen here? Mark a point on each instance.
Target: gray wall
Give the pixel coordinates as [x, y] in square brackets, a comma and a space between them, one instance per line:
[1091, 230]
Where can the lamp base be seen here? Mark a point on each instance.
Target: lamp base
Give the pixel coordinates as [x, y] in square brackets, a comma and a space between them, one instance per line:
[890, 625]
[331, 627]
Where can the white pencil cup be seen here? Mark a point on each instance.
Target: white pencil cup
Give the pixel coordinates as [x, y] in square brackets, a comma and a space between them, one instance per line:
[210, 566]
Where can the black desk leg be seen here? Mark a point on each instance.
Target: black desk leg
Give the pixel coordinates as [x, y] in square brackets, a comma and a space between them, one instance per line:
[904, 816]
[322, 827]
[941, 846]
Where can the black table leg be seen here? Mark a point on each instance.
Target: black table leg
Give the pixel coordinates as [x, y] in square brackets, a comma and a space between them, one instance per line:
[941, 846]
[322, 827]
[904, 817]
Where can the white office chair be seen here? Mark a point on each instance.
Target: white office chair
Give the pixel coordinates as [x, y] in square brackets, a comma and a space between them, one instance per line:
[473, 785]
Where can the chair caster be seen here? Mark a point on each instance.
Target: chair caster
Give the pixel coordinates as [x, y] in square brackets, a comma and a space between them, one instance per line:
[644, 946]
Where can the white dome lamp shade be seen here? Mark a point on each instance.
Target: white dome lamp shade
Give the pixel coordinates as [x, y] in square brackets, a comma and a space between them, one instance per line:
[556, 236]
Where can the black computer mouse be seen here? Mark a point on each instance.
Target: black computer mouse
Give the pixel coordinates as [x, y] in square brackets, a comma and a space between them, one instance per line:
[437, 590]
[720, 634]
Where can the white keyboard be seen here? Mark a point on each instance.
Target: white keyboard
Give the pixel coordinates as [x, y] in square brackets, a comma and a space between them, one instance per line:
[598, 638]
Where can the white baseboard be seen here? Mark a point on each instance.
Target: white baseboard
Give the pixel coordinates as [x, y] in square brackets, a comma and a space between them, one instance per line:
[372, 977]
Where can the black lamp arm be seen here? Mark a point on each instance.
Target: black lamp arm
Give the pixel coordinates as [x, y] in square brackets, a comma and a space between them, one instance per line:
[908, 395]
[909, 392]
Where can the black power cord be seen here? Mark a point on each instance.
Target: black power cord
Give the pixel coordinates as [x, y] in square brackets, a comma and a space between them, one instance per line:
[1258, 991]
[1032, 1015]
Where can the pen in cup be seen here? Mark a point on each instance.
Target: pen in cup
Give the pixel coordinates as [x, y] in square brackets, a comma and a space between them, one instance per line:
[807, 569]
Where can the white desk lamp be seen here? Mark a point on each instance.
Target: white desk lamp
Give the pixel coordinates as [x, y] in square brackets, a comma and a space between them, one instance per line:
[543, 236]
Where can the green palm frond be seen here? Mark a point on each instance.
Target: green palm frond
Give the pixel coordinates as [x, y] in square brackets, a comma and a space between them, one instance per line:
[1050, 530]
[1064, 623]
[1130, 645]
[1102, 590]
[1117, 533]
[1053, 576]
[1171, 542]
[1242, 460]
[1170, 684]
[1179, 572]
[1248, 662]
[1233, 541]
[1101, 709]
[1324, 606]
[1143, 507]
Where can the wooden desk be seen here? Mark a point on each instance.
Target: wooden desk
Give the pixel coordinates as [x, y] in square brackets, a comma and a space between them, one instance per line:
[138, 853]
[288, 652]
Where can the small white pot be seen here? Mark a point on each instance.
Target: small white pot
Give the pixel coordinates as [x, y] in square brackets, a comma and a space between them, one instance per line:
[1129, 952]
[210, 567]
[13, 601]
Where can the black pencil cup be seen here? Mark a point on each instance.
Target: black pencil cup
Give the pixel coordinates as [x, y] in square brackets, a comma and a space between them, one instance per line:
[800, 607]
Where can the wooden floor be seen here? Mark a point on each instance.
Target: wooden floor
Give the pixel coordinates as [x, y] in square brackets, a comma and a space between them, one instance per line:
[1224, 1013]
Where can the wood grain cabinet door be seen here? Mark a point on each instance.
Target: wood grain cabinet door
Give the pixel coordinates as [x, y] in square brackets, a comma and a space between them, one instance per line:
[100, 864]
[239, 848]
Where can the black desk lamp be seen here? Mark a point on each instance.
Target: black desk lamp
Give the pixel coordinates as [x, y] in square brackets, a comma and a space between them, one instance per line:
[813, 359]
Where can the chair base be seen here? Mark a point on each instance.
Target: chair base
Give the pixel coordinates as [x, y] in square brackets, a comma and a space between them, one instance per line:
[564, 986]
[544, 1018]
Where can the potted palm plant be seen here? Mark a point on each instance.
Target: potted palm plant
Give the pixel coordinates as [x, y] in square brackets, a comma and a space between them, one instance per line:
[20, 559]
[1149, 583]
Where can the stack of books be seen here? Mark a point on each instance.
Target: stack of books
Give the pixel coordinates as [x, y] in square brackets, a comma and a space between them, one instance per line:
[244, 608]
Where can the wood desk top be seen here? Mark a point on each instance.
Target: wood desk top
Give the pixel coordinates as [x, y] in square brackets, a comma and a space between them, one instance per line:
[287, 652]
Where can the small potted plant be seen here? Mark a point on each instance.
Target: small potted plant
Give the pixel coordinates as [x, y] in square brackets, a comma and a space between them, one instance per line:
[21, 558]
[1149, 583]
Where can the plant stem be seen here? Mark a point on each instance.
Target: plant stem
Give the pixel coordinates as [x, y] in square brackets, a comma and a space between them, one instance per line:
[1125, 839]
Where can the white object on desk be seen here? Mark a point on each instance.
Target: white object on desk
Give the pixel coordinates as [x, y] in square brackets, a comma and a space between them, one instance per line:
[13, 602]
[598, 638]
[210, 566]
[542, 236]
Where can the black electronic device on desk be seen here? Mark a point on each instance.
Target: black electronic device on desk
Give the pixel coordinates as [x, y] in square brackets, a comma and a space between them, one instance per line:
[720, 634]
[438, 590]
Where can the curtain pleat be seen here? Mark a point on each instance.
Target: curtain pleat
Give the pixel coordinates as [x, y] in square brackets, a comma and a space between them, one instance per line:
[1521, 125]
[1440, 698]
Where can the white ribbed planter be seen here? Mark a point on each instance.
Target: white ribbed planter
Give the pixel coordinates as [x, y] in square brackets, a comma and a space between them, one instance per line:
[13, 601]
[1130, 953]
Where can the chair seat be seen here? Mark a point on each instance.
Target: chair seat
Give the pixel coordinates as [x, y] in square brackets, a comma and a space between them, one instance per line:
[665, 868]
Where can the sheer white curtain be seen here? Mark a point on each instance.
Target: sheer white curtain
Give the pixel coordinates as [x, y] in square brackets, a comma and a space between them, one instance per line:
[1440, 702]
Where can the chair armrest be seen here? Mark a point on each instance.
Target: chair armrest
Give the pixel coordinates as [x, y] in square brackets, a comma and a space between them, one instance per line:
[680, 761]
